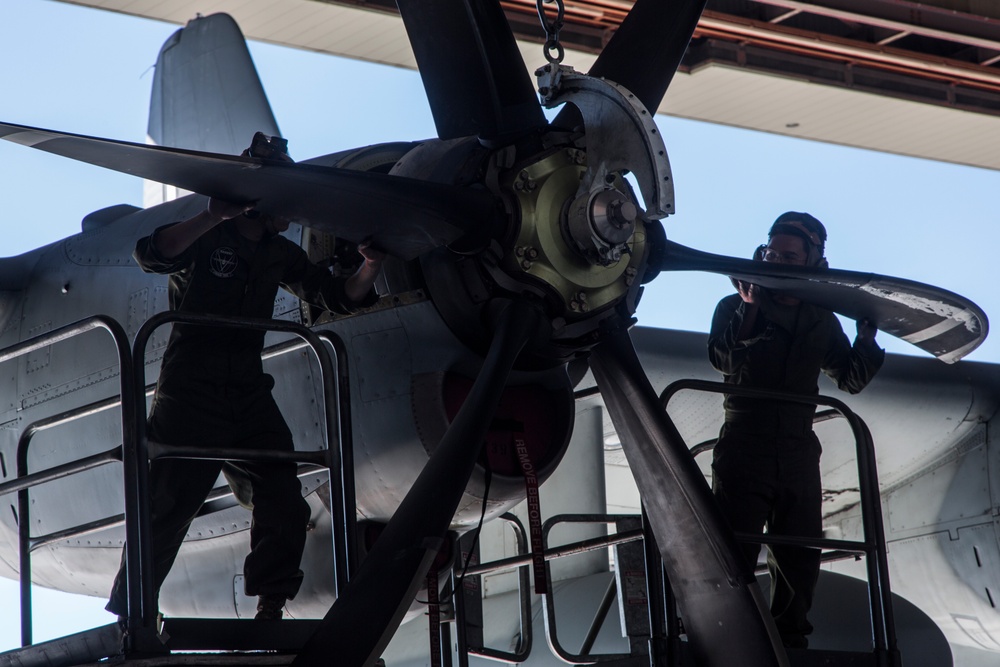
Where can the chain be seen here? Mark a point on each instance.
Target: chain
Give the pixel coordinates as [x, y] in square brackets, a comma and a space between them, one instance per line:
[553, 49]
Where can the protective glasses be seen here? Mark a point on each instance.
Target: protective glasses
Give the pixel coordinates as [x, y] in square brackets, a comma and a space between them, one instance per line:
[778, 257]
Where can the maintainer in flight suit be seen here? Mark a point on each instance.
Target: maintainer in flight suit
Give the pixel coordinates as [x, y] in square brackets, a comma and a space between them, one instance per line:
[766, 462]
[212, 389]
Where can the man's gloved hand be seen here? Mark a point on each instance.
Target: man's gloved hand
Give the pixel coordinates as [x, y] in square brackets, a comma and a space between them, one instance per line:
[866, 331]
[373, 257]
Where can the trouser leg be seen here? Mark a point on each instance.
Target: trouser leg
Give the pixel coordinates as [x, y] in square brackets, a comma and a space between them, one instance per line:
[278, 530]
[177, 490]
[742, 485]
[795, 570]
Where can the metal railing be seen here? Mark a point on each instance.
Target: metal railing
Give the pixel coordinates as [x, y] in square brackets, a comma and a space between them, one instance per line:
[26, 480]
[873, 544]
[525, 559]
[141, 605]
[339, 460]
[525, 640]
[625, 534]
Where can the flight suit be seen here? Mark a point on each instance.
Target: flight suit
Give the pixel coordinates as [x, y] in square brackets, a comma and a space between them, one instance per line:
[766, 462]
[212, 391]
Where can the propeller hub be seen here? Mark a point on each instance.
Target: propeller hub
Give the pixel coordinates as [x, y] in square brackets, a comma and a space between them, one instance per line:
[585, 248]
[600, 224]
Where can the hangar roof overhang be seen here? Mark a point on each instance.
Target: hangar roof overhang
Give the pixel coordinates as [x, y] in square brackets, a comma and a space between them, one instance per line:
[919, 79]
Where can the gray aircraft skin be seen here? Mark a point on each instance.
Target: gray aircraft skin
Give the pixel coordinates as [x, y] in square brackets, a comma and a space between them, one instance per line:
[933, 425]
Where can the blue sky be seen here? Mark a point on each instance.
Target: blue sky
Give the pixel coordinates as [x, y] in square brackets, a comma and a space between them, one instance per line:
[88, 71]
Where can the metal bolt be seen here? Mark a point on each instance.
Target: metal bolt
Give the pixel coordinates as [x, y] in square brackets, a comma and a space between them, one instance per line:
[532, 253]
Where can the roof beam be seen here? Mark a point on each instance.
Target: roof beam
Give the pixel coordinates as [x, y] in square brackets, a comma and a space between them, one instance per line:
[905, 16]
[728, 27]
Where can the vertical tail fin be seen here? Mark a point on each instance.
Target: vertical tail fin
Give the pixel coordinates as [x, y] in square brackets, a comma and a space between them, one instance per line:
[206, 95]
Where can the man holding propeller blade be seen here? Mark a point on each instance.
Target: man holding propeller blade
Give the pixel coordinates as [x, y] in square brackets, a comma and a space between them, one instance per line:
[229, 260]
[766, 462]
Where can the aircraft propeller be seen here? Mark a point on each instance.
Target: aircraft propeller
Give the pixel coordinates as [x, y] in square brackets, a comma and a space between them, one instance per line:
[405, 217]
[940, 322]
[560, 249]
[477, 85]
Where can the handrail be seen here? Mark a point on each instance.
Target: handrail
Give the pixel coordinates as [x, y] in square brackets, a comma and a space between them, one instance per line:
[116, 520]
[346, 423]
[126, 374]
[708, 445]
[347, 507]
[525, 638]
[876, 561]
[141, 606]
[88, 410]
[571, 549]
[348, 500]
[24, 480]
[599, 542]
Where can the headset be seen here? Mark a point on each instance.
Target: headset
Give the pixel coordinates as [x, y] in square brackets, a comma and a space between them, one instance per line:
[788, 223]
[815, 246]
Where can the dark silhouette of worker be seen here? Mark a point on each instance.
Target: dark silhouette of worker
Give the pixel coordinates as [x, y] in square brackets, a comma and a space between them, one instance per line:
[766, 463]
[212, 389]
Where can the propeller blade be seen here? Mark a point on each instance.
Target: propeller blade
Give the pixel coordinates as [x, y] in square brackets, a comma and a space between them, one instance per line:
[472, 70]
[365, 616]
[947, 325]
[403, 216]
[647, 48]
[725, 614]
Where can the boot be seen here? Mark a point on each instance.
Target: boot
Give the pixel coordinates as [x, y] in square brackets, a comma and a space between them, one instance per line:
[269, 607]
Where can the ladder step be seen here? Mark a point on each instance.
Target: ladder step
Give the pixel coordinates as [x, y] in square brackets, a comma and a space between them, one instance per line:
[208, 634]
[799, 657]
[183, 634]
[77, 649]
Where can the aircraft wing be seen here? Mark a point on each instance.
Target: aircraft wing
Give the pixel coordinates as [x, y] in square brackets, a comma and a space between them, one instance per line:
[918, 410]
[405, 217]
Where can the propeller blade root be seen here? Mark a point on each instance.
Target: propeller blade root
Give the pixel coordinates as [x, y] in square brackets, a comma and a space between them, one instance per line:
[724, 611]
[363, 619]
